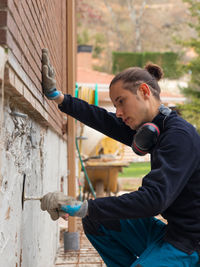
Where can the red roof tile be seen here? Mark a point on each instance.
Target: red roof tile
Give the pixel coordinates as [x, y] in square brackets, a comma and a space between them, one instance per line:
[89, 76]
[93, 76]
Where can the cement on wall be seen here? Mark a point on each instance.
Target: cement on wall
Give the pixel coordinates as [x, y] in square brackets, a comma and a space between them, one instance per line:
[28, 237]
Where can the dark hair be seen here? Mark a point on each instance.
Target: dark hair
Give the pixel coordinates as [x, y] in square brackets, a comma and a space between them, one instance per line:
[134, 76]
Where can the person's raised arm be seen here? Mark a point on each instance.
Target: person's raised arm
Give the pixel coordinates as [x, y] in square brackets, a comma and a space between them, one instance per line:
[93, 116]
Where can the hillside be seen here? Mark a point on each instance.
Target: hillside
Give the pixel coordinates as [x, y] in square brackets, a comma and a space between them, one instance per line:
[132, 25]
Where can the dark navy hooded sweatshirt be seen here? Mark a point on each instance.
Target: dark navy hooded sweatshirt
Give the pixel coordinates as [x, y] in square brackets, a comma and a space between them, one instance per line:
[171, 188]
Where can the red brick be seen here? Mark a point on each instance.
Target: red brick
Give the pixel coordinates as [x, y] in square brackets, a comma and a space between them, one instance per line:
[13, 46]
[16, 16]
[32, 25]
[35, 14]
[19, 85]
[28, 96]
[3, 3]
[3, 18]
[25, 64]
[3, 37]
[10, 5]
[12, 26]
[25, 36]
[17, 3]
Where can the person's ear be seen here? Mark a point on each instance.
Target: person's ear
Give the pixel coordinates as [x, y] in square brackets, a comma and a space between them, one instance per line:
[145, 90]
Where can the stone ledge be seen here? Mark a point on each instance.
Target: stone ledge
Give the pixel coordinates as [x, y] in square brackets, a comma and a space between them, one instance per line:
[19, 87]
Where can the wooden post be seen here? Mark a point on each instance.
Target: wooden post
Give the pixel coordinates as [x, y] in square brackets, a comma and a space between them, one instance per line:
[71, 80]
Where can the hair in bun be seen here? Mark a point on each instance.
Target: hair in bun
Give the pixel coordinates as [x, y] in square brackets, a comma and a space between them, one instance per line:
[132, 77]
[155, 70]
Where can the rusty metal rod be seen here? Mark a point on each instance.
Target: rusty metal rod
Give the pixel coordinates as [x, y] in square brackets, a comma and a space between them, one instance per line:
[32, 198]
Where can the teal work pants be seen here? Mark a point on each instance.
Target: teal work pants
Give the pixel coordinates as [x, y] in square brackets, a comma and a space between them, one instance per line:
[136, 243]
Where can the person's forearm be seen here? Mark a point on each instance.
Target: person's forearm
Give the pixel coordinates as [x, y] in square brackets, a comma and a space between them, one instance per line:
[60, 99]
[97, 118]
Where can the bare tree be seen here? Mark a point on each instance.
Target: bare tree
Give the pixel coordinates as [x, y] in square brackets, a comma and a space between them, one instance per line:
[136, 14]
[115, 26]
[137, 25]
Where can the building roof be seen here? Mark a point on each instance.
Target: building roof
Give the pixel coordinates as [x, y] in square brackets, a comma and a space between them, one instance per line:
[92, 76]
[88, 78]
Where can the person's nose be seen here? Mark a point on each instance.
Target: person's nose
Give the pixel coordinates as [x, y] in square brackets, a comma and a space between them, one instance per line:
[119, 113]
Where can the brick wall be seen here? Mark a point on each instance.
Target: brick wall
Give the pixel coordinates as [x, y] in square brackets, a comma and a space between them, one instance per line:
[26, 26]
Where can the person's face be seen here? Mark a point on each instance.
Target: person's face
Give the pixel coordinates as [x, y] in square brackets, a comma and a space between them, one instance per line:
[131, 108]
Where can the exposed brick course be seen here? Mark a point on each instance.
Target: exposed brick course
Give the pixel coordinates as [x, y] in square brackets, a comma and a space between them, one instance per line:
[3, 36]
[3, 3]
[25, 28]
[3, 18]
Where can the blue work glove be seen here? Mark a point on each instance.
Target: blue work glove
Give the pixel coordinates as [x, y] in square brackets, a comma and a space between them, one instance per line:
[48, 77]
[57, 204]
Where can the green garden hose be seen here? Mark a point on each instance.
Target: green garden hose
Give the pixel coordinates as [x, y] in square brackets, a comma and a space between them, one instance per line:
[84, 170]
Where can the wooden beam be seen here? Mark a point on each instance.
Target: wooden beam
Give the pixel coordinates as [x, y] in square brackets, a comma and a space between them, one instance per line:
[71, 80]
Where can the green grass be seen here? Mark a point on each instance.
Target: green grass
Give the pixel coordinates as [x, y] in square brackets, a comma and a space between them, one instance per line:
[136, 169]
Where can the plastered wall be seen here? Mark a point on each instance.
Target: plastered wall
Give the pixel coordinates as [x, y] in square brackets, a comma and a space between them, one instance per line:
[28, 237]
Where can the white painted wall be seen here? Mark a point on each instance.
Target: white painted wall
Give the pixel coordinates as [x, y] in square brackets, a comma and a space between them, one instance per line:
[28, 237]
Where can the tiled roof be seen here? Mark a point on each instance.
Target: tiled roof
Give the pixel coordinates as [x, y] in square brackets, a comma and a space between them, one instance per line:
[165, 96]
[93, 76]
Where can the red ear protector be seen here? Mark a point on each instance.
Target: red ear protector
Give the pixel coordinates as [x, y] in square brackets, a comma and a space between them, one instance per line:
[147, 135]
